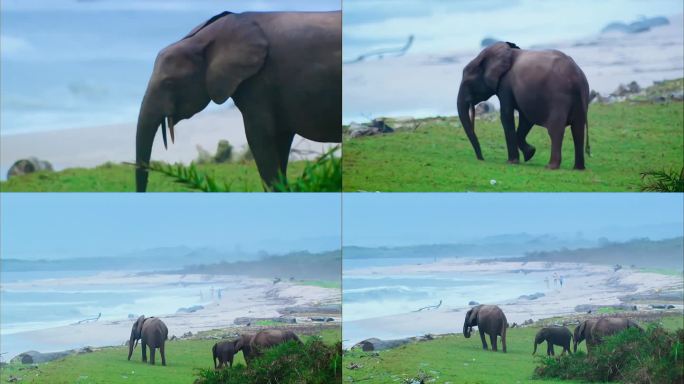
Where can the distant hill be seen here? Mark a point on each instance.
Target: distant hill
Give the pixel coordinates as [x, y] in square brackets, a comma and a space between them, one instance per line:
[298, 265]
[668, 253]
[492, 246]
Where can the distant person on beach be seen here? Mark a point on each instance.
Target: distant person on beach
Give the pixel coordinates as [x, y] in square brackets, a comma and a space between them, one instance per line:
[560, 278]
[546, 280]
[555, 279]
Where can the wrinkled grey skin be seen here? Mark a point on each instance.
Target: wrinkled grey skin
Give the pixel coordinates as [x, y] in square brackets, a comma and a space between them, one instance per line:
[547, 88]
[608, 326]
[244, 344]
[224, 352]
[583, 332]
[152, 333]
[253, 346]
[488, 319]
[560, 336]
[283, 70]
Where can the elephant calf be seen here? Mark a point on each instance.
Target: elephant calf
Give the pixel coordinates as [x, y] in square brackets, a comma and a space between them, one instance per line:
[560, 336]
[253, 345]
[224, 353]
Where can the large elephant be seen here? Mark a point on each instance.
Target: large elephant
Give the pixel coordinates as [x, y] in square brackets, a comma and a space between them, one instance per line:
[151, 332]
[560, 336]
[547, 88]
[489, 319]
[253, 345]
[583, 332]
[608, 326]
[224, 352]
[283, 70]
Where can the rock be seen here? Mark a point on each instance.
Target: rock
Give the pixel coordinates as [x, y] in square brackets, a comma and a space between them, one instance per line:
[533, 296]
[192, 309]
[29, 165]
[329, 308]
[472, 302]
[35, 357]
[374, 344]
[678, 96]
[322, 319]
[173, 337]
[642, 25]
[85, 350]
[528, 322]
[375, 127]
[484, 107]
[487, 41]
[187, 334]
[624, 90]
[662, 306]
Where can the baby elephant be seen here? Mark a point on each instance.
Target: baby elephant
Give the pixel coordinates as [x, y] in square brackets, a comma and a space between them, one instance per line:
[224, 353]
[553, 336]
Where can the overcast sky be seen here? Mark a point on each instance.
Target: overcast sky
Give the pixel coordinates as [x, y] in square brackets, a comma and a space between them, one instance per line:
[49, 225]
[396, 219]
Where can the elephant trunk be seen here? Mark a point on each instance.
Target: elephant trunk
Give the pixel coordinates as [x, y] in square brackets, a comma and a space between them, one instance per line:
[466, 330]
[148, 123]
[213, 352]
[535, 347]
[466, 113]
[132, 343]
[574, 346]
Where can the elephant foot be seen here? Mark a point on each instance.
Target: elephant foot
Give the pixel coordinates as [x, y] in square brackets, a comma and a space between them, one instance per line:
[552, 166]
[513, 161]
[529, 153]
[579, 167]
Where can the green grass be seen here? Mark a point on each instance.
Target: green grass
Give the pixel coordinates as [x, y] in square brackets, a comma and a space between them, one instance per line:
[607, 310]
[239, 176]
[662, 271]
[626, 140]
[456, 359]
[110, 365]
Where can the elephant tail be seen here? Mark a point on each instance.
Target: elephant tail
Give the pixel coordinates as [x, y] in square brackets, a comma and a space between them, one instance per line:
[587, 147]
[213, 352]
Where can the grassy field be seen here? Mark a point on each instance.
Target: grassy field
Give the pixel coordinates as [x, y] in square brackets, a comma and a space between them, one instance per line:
[110, 365]
[455, 359]
[626, 139]
[240, 176]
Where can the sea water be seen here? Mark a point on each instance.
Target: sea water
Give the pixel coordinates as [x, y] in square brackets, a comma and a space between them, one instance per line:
[28, 307]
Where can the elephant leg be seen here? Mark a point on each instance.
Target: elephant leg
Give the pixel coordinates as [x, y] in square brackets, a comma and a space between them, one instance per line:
[552, 352]
[524, 127]
[144, 351]
[163, 354]
[262, 140]
[556, 132]
[152, 350]
[492, 340]
[578, 139]
[484, 342]
[284, 144]
[508, 122]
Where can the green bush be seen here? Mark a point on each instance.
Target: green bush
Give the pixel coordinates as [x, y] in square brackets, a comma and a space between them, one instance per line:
[323, 175]
[311, 363]
[224, 152]
[631, 356]
[663, 181]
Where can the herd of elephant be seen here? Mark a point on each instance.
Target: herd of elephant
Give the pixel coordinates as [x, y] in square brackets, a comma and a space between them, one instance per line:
[491, 320]
[152, 333]
[283, 71]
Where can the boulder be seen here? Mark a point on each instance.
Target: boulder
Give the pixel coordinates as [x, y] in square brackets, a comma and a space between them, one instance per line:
[374, 344]
[533, 296]
[29, 165]
[35, 357]
[192, 309]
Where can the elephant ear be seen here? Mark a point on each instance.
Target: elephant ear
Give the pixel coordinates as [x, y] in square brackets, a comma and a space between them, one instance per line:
[237, 51]
[580, 331]
[496, 63]
[472, 315]
[138, 325]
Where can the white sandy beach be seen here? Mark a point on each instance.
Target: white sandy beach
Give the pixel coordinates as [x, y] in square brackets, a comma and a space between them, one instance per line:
[253, 298]
[425, 85]
[583, 284]
[89, 147]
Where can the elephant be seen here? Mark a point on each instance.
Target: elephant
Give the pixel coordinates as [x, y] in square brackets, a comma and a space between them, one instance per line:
[608, 326]
[153, 333]
[547, 88]
[560, 336]
[224, 352]
[283, 71]
[583, 332]
[253, 346]
[489, 319]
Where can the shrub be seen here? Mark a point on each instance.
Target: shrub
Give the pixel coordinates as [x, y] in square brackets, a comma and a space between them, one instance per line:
[311, 363]
[631, 356]
[663, 181]
[323, 175]
[224, 152]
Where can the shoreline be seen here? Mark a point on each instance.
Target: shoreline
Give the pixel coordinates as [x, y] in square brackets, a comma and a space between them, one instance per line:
[257, 298]
[93, 146]
[584, 284]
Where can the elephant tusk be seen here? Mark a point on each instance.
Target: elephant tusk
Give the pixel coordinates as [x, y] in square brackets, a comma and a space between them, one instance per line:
[171, 129]
[164, 133]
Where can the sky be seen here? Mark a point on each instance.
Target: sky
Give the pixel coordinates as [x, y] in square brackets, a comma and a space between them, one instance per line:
[450, 26]
[57, 225]
[398, 219]
[85, 63]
